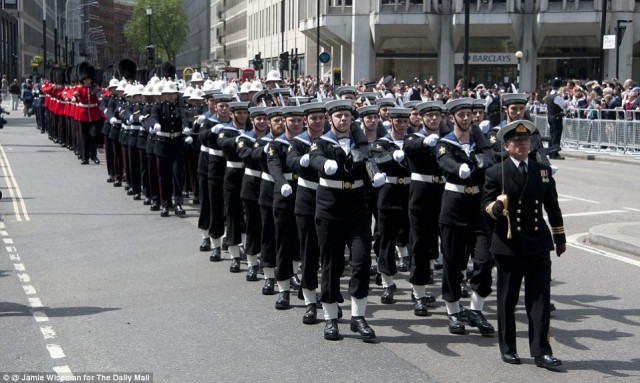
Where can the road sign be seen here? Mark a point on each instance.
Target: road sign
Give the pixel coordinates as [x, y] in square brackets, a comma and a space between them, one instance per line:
[609, 42]
[324, 57]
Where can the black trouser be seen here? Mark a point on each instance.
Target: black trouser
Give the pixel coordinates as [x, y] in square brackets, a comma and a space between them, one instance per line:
[133, 169]
[424, 235]
[457, 241]
[205, 214]
[268, 238]
[309, 251]
[394, 229]
[333, 236]
[254, 226]
[85, 140]
[116, 152]
[536, 272]
[287, 243]
[144, 172]
[555, 129]
[170, 169]
[233, 216]
[154, 179]
[216, 210]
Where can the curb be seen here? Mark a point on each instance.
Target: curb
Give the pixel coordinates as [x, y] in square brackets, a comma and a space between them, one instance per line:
[612, 235]
[630, 159]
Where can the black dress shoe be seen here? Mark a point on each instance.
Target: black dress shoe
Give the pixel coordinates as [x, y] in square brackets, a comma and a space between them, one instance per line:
[403, 265]
[95, 161]
[216, 255]
[146, 201]
[195, 201]
[235, 265]
[295, 282]
[387, 294]
[429, 299]
[373, 270]
[154, 207]
[179, 210]
[511, 358]
[282, 303]
[547, 361]
[130, 192]
[137, 197]
[476, 319]
[437, 266]
[311, 314]
[359, 325]
[206, 244]
[331, 330]
[84, 162]
[420, 309]
[252, 273]
[268, 288]
[455, 324]
[164, 212]
[117, 184]
[378, 279]
[110, 180]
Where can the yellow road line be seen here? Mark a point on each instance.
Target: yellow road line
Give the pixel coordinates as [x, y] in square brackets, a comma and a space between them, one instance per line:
[14, 189]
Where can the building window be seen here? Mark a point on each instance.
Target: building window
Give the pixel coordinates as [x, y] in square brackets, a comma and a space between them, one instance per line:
[10, 4]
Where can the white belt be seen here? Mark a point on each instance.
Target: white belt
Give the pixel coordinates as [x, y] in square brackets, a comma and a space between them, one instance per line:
[237, 165]
[170, 135]
[87, 105]
[215, 152]
[204, 149]
[267, 177]
[137, 127]
[251, 172]
[288, 176]
[343, 185]
[427, 178]
[307, 184]
[127, 127]
[461, 188]
[398, 180]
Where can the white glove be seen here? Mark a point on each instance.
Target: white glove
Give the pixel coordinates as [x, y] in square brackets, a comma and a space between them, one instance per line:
[386, 124]
[379, 179]
[398, 155]
[431, 140]
[304, 160]
[554, 170]
[286, 190]
[201, 119]
[186, 131]
[330, 167]
[216, 129]
[130, 120]
[113, 120]
[142, 118]
[156, 127]
[265, 149]
[105, 111]
[464, 172]
[188, 140]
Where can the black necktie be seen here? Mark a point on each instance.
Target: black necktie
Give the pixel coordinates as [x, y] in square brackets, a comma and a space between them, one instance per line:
[523, 169]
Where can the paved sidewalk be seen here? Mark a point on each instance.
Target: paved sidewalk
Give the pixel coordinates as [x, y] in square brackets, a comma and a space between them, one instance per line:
[623, 237]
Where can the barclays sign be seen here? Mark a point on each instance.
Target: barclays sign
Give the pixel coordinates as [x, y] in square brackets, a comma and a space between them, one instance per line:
[487, 59]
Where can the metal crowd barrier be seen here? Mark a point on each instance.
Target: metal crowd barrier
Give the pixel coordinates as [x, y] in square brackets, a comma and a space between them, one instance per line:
[600, 130]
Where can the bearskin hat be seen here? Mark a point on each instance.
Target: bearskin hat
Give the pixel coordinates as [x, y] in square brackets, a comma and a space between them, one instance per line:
[127, 69]
[168, 70]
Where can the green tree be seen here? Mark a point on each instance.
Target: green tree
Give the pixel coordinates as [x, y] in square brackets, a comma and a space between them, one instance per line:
[169, 26]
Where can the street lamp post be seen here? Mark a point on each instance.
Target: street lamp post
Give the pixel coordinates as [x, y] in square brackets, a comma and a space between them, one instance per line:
[150, 47]
[44, 37]
[519, 56]
[149, 11]
[619, 35]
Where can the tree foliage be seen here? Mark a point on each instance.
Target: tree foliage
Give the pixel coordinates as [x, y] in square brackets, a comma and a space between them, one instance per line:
[169, 26]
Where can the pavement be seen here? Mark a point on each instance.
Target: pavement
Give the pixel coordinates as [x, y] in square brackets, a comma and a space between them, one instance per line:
[624, 237]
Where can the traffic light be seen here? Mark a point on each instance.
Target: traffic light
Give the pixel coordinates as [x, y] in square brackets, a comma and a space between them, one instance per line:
[257, 61]
[283, 64]
[151, 54]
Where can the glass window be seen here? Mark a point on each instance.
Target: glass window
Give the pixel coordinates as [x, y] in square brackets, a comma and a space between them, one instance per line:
[11, 4]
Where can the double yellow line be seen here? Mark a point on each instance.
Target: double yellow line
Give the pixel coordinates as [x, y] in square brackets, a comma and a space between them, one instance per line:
[19, 206]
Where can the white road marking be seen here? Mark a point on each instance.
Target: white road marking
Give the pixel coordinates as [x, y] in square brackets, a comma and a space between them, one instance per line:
[28, 289]
[19, 266]
[48, 332]
[565, 199]
[35, 303]
[40, 316]
[14, 189]
[588, 213]
[572, 241]
[576, 198]
[7, 241]
[55, 351]
[632, 209]
[14, 257]
[11, 249]
[24, 278]
[63, 371]
[3, 233]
